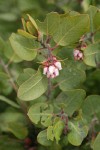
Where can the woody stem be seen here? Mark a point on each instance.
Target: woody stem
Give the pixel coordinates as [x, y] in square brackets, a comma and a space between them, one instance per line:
[23, 106]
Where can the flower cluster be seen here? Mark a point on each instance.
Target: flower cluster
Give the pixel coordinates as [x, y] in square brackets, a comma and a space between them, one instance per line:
[52, 67]
[78, 55]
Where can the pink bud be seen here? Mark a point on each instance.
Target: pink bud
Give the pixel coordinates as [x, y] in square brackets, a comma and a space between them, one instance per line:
[54, 58]
[76, 52]
[78, 55]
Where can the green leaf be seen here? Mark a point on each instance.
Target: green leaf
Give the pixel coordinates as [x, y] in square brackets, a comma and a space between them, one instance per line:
[70, 101]
[92, 55]
[91, 106]
[58, 129]
[1, 43]
[32, 21]
[50, 134]
[33, 88]
[18, 129]
[12, 121]
[31, 28]
[96, 20]
[1, 46]
[50, 24]
[27, 73]
[42, 138]
[70, 78]
[10, 54]
[41, 111]
[24, 24]
[78, 132]
[70, 30]
[10, 102]
[55, 131]
[96, 144]
[25, 48]
[94, 15]
[92, 11]
[26, 34]
[47, 120]
[34, 113]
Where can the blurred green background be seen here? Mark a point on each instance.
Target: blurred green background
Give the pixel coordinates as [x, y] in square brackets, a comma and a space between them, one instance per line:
[11, 12]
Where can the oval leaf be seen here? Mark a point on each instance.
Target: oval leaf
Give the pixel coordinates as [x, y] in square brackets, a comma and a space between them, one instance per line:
[70, 100]
[33, 88]
[40, 111]
[25, 48]
[78, 132]
[42, 138]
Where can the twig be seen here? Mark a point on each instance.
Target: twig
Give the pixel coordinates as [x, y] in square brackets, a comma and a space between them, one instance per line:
[54, 47]
[9, 75]
[22, 104]
[49, 89]
[46, 45]
[11, 59]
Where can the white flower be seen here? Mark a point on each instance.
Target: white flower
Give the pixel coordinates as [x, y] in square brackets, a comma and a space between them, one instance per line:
[58, 65]
[45, 70]
[53, 76]
[56, 72]
[51, 69]
[80, 55]
[51, 72]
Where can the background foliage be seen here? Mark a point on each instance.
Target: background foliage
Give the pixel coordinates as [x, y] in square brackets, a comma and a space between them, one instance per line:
[17, 66]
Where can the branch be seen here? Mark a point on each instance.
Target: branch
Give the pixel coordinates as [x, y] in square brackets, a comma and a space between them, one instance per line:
[22, 104]
[9, 75]
[49, 89]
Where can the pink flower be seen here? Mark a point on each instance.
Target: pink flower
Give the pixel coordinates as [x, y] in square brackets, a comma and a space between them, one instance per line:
[58, 65]
[78, 55]
[51, 69]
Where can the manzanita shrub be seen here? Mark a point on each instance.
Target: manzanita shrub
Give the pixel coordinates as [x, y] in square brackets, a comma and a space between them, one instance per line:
[52, 103]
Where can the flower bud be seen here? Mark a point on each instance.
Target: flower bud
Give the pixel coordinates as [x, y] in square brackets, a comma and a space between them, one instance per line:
[78, 55]
[83, 46]
[76, 52]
